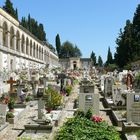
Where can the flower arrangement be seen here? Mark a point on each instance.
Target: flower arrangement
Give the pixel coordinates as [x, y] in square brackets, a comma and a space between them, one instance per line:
[96, 119]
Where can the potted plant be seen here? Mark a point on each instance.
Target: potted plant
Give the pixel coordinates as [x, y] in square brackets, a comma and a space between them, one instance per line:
[10, 117]
[11, 104]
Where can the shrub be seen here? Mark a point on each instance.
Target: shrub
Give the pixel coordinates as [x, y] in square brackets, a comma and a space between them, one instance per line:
[9, 115]
[68, 90]
[88, 114]
[84, 129]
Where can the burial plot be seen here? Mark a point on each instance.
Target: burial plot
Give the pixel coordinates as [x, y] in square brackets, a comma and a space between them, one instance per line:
[88, 99]
[3, 123]
[41, 123]
[119, 95]
[108, 83]
[133, 112]
[118, 109]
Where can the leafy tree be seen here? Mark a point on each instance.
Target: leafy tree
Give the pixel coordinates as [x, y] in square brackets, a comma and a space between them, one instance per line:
[58, 44]
[109, 57]
[93, 58]
[100, 61]
[69, 50]
[8, 7]
[125, 46]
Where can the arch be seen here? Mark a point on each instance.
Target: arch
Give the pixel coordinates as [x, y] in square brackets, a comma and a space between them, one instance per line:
[22, 43]
[12, 38]
[27, 45]
[34, 50]
[17, 41]
[5, 34]
[31, 47]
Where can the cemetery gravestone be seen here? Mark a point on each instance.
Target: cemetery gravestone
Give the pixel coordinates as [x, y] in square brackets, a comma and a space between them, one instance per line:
[88, 99]
[109, 82]
[133, 107]
[119, 95]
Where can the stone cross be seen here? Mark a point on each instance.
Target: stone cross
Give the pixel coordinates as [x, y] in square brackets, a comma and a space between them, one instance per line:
[11, 82]
[19, 89]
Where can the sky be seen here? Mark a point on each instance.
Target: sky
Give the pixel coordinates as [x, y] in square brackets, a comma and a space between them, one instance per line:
[92, 25]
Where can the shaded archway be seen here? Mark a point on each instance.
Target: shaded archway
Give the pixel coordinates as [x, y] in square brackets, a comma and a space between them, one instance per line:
[22, 43]
[5, 34]
[17, 41]
[27, 45]
[12, 38]
[31, 47]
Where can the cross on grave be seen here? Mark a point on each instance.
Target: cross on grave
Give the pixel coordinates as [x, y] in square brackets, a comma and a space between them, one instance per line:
[19, 86]
[11, 82]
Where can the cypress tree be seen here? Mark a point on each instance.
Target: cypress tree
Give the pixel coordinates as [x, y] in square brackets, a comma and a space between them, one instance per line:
[58, 45]
[109, 57]
[100, 61]
[93, 58]
[8, 7]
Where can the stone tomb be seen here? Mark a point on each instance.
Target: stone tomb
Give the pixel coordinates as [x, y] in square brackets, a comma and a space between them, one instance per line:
[88, 99]
[133, 107]
[119, 95]
[108, 84]
[3, 123]
[133, 112]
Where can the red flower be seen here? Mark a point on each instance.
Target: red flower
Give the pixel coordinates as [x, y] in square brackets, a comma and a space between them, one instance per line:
[96, 119]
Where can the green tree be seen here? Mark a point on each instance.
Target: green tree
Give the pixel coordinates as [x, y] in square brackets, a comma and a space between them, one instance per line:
[8, 7]
[69, 50]
[100, 61]
[36, 29]
[58, 44]
[93, 58]
[109, 57]
[125, 50]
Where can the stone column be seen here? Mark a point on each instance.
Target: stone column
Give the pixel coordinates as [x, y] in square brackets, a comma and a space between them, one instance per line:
[14, 43]
[8, 39]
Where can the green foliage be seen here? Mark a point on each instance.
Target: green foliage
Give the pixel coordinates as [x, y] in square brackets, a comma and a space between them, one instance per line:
[137, 77]
[93, 58]
[54, 98]
[34, 27]
[9, 115]
[11, 103]
[8, 7]
[83, 129]
[28, 98]
[79, 113]
[69, 50]
[68, 90]
[88, 114]
[111, 67]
